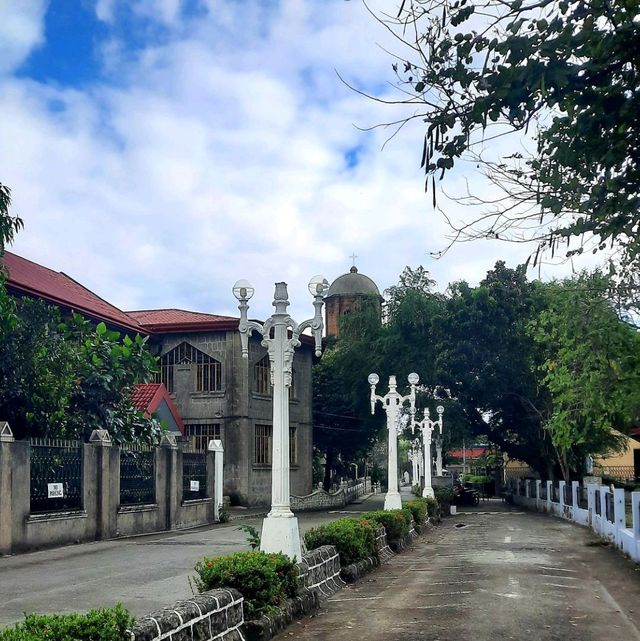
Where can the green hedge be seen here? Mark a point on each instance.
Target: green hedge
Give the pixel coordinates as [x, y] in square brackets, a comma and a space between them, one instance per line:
[264, 580]
[419, 510]
[107, 624]
[355, 539]
[444, 497]
[396, 522]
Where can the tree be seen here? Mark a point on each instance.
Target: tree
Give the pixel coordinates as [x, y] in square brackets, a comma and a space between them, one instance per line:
[9, 225]
[591, 368]
[343, 425]
[564, 72]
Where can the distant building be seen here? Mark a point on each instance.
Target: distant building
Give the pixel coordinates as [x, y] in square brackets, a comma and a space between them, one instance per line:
[217, 393]
[345, 294]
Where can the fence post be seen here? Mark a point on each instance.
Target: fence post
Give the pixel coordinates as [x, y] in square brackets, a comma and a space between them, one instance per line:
[538, 492]
[619, 516]
[169, 447]
[6, 511]
[549, 495]
[575, 487]
[100, 441]
[518, 482]
[526, 488]
[561, 486]
[635, 510]
[216, 447]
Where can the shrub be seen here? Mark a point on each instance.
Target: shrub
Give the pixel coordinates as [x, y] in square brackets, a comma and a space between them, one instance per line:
[416, 490]
[107, 624]
[444, 496]
[396, 522]
[265, 580]
[418, 510]
[433, 507]
[355, 539]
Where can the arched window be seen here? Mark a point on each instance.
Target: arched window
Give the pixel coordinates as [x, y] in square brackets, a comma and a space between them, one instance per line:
[262, 376]
[208, 371]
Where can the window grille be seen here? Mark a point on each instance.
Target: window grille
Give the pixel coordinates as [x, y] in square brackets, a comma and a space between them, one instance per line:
[208, 371]
[293, 446]
[262, 376]
[200, 435]
[263, 438]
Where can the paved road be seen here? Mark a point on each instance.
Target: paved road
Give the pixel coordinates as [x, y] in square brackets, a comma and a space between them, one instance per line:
[144, 573]
[489, 577]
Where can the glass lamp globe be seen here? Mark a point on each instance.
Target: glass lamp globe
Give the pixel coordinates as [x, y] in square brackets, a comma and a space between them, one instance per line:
[243, 290]
[318, 285]
[440, 409]
[413, 378]
[373, 379]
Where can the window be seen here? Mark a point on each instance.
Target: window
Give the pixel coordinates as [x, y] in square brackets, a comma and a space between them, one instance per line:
[200, 435]
[208, 371]
[293, 446]
[262, 376]
[262, 455]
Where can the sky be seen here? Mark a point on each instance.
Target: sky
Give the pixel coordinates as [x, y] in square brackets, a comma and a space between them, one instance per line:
[160, 150]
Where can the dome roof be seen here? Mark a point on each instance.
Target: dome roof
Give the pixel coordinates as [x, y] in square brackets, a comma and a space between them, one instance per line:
[353, 284]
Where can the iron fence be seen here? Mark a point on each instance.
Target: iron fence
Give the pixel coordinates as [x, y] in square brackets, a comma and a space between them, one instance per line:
[555, 494]
[137, 475]
[543, 490]
[56, 475]
[583, 497]
[598, 506]
[609, 510]
[194, 476]
[568, 494]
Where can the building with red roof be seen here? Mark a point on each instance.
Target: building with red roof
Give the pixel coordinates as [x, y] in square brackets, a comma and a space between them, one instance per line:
[153, 399]
[210, 391]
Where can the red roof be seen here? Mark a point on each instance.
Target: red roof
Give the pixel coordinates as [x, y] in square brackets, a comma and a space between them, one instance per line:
[167, 320]
[471, 453]
[27, 277]
[147, 397]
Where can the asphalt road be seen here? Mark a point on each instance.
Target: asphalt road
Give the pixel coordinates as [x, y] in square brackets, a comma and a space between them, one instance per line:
[489, 577]
[144, 573]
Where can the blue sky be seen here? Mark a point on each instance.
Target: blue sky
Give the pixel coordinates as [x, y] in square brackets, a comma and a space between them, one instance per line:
[158, 150]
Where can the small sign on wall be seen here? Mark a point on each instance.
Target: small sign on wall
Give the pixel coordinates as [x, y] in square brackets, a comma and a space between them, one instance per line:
[55, 490]
[195, 486]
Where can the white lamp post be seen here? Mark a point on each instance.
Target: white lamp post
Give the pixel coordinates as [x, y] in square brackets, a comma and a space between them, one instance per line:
[280, 528]
[392, 402]
[438, 456]
[414, 458]
[426, 427]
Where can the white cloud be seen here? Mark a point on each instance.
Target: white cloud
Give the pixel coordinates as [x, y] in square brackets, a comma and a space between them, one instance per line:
[220, 154]
[21, 31]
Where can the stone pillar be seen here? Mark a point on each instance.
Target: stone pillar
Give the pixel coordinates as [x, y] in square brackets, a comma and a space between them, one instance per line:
[635, 511]
[169, 446]
[549, 495]
[561, 486]
[105, 526]
[591, 502]
[216, 447]
[6, 512]
[538, 492]
[526, 489]
[619, 516]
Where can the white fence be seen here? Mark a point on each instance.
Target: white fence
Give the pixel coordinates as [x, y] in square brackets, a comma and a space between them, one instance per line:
[611, 513]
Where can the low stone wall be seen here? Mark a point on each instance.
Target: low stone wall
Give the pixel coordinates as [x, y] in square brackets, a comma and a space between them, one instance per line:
[217, 614]
[322, 500]
[319, 571]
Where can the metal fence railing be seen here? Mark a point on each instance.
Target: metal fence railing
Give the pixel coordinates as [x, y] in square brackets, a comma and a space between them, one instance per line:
[598, 506]
[56, 475]
[583, 497]
[137, 475]
[568, 494]
[194, 476]
[609, 509]
[617, 472]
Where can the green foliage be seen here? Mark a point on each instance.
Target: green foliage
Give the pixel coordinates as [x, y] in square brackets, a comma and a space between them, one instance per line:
[590, 363]
[9, 225]
[416, 490]
[396, 522]
[419, 510]
[66, 377]
[433, 507]
[566, 73]
[265, 580]
[253, 536]
[444, 499]
[109, 624]
[355, 539]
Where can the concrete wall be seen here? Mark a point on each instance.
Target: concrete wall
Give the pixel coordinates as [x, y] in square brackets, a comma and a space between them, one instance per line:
[101, 516]
[613, 525]
[238, 408]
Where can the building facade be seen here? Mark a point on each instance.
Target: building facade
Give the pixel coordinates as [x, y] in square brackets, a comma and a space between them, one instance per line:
[219, 395]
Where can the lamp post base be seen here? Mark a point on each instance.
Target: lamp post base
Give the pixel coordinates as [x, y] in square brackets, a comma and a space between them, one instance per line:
[281, 534]
[392, 501]
[428, 493]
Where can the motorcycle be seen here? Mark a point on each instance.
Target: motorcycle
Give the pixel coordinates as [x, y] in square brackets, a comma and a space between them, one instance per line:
[465, 494]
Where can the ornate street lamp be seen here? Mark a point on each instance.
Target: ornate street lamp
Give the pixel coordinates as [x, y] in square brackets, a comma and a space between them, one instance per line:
[280, 335]
[438, 441]
[414, 458]
[392, 403]
[426, 427]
